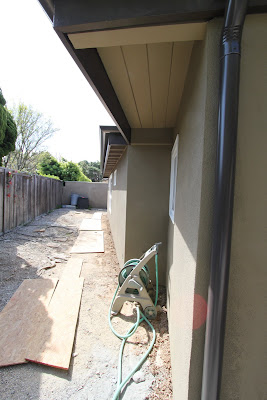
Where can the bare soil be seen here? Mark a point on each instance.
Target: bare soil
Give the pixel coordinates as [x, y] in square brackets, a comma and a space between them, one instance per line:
[41, 250]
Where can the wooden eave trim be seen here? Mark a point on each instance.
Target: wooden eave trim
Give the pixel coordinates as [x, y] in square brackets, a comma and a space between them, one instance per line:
[81, 16]
[111, 159]
[48, 6]
[91, 65]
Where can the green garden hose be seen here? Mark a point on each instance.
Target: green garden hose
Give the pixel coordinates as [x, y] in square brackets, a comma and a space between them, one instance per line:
[140, 318]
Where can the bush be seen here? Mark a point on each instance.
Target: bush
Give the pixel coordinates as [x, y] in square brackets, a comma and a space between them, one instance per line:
[8, 130]
[49, 166]
[72, 172]
[64, 170]
[50, 176]
[8, 143]
[83, 178]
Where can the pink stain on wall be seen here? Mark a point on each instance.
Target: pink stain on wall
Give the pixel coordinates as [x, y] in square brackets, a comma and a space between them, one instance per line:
[200, 311]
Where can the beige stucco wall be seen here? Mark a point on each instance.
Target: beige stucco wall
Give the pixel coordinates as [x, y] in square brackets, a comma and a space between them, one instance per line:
[95, 191]
[147, 202]
[189, 236]
[117, 217]
[244, 366]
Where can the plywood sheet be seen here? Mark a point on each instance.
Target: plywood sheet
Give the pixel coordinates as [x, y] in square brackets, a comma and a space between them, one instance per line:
[89, 242]
[73, 268]
[18, 320]
[97, 215]
[91, 224]
[54, 337]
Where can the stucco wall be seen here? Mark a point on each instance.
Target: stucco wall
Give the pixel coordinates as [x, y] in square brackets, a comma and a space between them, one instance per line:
[95, 191]
[117, 217]
[244, 365]
[189, 236]
[147, 202]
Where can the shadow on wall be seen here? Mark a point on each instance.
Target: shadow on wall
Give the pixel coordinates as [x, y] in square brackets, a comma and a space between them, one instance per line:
[96, 192]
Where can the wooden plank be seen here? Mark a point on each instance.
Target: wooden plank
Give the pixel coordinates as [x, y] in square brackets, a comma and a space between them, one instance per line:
[35, 195]
[6, 204]
[136, 61]
[1, 199]
[53, 341]
[19, 200]
[91, 224]
[15, 215]
[159, 57]
[21, 315]
[73, 268]
[89, 242]
[113, 60]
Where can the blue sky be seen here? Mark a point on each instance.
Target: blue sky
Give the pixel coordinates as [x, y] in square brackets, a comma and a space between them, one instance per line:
[36, 68]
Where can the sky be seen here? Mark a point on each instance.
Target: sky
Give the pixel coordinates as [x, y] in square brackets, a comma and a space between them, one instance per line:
[35, 68]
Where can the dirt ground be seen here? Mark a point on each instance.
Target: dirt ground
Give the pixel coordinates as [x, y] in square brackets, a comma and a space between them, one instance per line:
[41, 250]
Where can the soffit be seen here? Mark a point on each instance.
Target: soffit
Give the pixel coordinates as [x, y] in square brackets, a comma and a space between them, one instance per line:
[148, 80]
[113, 146]
[139, 35]
[147, 67]
[113, 155]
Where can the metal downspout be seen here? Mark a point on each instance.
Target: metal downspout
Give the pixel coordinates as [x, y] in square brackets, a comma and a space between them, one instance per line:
[224, 194]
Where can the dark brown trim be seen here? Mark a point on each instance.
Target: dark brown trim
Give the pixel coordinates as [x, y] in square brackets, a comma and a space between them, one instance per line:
[81, 15]
[112, 157]
[112, 148]
[48, 6]
[91, 65]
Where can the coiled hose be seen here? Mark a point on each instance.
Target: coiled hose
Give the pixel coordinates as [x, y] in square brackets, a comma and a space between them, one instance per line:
[140, 318]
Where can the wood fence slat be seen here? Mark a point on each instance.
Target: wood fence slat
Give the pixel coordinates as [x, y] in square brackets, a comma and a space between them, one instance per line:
[6, 206]
[24, 197]
[2, 172]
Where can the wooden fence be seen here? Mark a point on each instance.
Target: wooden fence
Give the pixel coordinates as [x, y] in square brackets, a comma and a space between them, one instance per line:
[23, 197]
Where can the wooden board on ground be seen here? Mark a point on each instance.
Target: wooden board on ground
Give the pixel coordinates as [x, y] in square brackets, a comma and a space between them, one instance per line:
[97, 215]
[18, 320]
[90, 225]
[89, 242]
[54, 336]
[73, 268]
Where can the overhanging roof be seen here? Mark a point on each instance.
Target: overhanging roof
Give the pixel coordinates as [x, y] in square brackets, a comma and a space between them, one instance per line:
[113, 146]
[135, 55]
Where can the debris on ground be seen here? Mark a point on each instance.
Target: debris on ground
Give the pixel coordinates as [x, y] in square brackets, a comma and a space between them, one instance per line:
[95, 349]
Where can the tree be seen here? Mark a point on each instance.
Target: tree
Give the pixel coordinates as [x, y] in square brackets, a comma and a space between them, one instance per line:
[64, 170]
[33, 130]
[48, 165]
[8, 130]
[72, 172]
[91, 170]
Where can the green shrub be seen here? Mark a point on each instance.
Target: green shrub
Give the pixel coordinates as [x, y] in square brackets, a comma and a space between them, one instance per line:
[83, 178]
[50, 176]
[2, 99]
[9, 141]
[3, 123]
[49, 166]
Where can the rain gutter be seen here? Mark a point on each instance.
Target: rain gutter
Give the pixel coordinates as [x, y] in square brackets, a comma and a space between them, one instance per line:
[230, 48]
